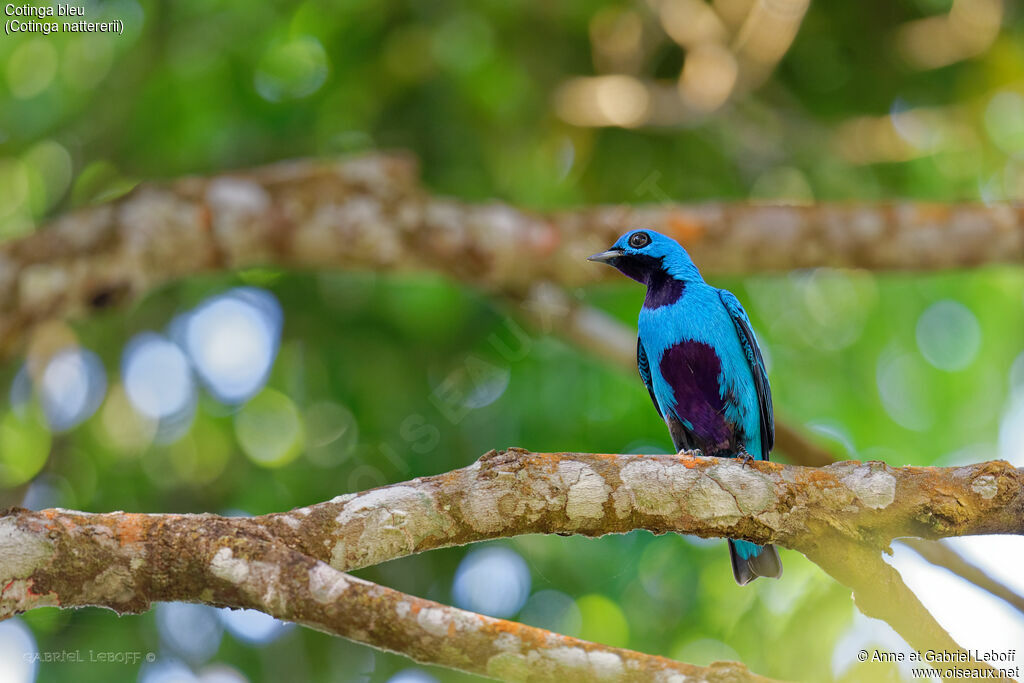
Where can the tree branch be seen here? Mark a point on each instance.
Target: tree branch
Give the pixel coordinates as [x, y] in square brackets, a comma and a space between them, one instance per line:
[124, 562]
[597, 332]
[372, 212]
[513, 492]
[841, 516]
[100, 256]
[880, 592]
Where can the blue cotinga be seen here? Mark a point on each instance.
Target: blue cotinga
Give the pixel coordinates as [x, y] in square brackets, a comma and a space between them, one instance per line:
[701, 364]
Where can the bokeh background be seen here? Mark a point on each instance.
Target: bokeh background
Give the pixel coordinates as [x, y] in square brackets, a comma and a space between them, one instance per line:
[259, 391]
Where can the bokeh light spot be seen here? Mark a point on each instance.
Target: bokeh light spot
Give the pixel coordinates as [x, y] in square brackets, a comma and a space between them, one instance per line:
[475, 383]
[20, 394]
[903, 386]
[603, 621]
[837, 304]
[554, 611]
[1017, 377]
[47, 491]
[233, 340]
[1011, 433]
[196, 459]
[270, 429]
[31, 67]
[167, 670]
[87, 60]
[252, 626]
[493, 581]
[412, 676]
[14, 186]
[71, 388]
[709, 75]
[17, 647]
[291, 69]
[948, 335]
[614, 100]
[49, 166]
[1004, 121]
[24, 447]
[122, 427]
[158, 381]
[193, 632]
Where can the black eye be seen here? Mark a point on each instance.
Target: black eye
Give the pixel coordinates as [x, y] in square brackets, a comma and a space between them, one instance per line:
[639, 240]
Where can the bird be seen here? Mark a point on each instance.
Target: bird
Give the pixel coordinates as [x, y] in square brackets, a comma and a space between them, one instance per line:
[699, 359]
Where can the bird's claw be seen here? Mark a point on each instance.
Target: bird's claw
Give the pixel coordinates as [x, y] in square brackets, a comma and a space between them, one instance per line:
[746, 459]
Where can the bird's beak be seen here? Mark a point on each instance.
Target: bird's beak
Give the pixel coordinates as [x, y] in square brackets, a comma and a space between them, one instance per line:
[605, 256]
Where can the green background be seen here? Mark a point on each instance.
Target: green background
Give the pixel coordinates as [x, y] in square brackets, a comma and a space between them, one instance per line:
[197, 87]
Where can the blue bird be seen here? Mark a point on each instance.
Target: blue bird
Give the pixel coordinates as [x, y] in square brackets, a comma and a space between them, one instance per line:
[701, 364]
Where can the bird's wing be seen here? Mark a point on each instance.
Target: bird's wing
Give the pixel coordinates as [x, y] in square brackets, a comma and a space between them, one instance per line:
[753, 354]
[645, 373]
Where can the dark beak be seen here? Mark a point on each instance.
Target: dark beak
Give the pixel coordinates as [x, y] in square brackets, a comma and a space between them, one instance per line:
[605, 256]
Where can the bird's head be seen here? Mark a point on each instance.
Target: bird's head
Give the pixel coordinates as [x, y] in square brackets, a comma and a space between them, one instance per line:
[641, 254]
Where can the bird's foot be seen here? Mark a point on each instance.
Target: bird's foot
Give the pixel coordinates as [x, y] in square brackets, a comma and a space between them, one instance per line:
[746, 458]
[691, 451]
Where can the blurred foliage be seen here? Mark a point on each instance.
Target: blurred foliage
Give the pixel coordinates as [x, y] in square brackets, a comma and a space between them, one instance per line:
[379, 379]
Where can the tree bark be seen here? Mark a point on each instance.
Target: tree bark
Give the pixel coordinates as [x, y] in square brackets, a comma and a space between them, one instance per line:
[291, 564]
[124, 562]
[373, 213]
[596, 332]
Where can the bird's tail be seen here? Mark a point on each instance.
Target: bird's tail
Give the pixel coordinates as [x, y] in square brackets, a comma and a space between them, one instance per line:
[750, 561]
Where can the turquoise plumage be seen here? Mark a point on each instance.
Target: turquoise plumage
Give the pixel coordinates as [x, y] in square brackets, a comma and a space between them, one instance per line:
[699, 359]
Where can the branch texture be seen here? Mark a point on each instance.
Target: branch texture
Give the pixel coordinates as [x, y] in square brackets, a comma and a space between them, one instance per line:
[124, 562]
[372, 212]
[513, 492]
[597, 332]
[290, 564]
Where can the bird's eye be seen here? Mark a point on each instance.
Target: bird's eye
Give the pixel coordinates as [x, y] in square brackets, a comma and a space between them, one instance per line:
[639, 240]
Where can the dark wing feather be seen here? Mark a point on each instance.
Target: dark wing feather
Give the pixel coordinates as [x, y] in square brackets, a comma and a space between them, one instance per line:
[753, 354]
[645, 373]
